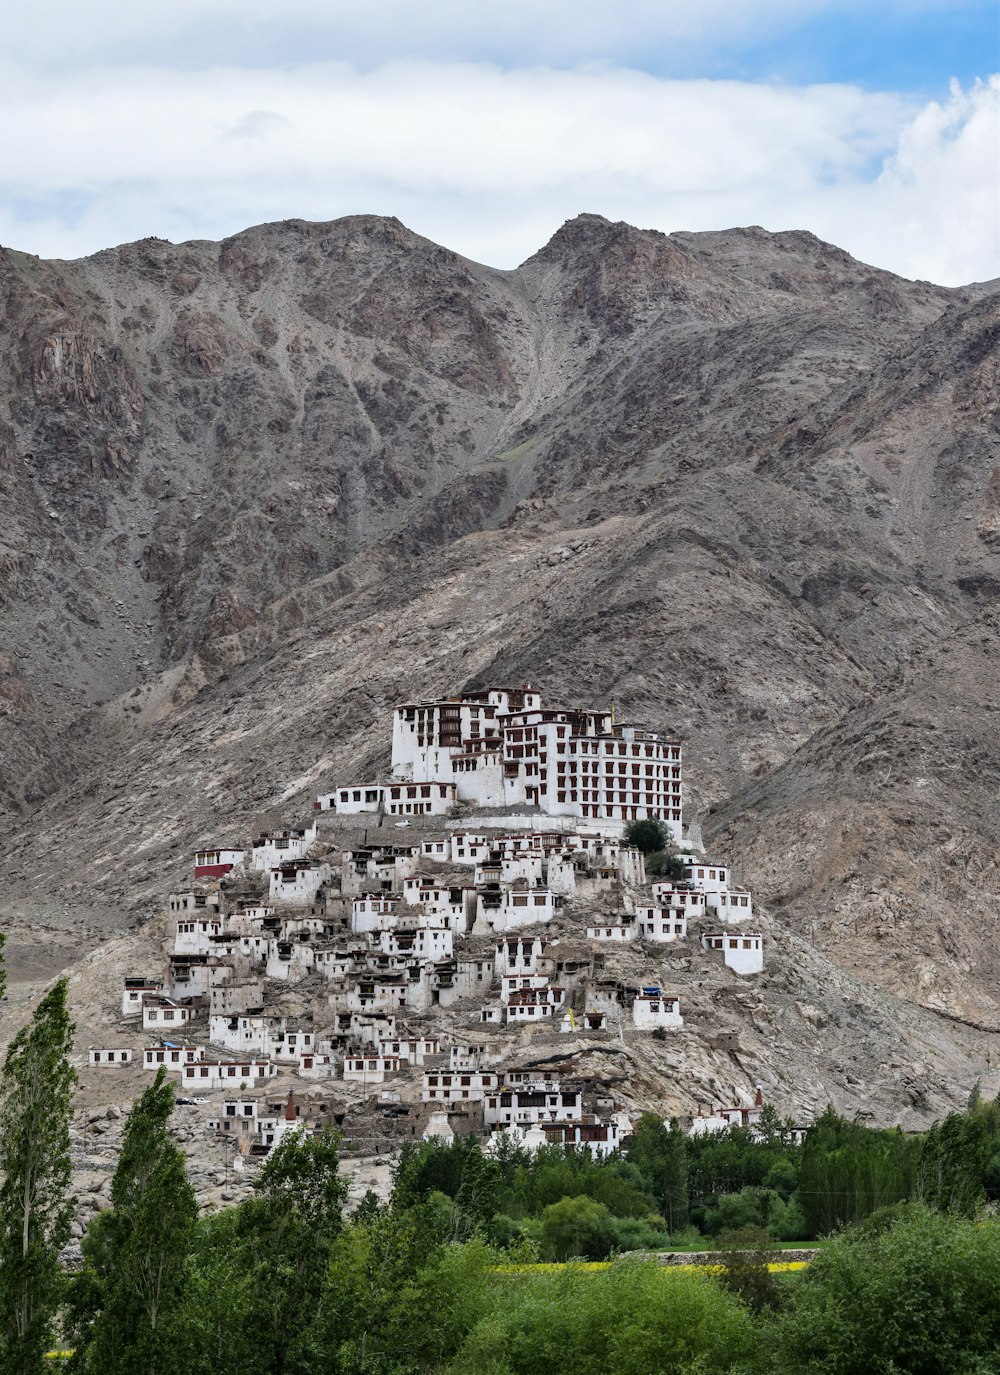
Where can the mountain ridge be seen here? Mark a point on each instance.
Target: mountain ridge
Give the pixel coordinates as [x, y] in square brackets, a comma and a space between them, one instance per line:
[737, 482]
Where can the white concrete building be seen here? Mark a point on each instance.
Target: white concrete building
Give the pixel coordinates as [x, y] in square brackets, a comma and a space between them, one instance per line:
[736, 905]
[420, 943]
[506, 909]
[532, 1005]
[518, 954]
[180, 904]
[467, 1086]
[536, 1104]
[411, 1050]
[516, 983]
[661, 923]
[298, 881]
[692, 900]
[163, 1014]
[274, 849]
[361, 797]
[743, 951]
[216, 863]
[173, 1057]
[374, 912]
[706, 875]
[720, 1119]
[454, 906]
[195, 935]
[205, 1075]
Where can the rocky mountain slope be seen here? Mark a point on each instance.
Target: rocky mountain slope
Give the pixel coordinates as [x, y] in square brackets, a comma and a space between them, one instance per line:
[738, 483]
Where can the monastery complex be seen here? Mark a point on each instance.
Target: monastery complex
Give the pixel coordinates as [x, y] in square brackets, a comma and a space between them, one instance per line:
[435, 951]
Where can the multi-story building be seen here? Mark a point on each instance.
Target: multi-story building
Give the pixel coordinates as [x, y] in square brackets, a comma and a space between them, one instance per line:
[502, 748]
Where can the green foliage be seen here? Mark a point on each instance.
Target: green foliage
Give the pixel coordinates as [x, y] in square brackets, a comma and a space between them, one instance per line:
[35, 1211]
[848, 1171]
[745, 1254]
[954, 1159]
[459, 1170]
[287, 1234]
[131, 1305]
[660, 1154]
[578, 1227]
[651, 835]
[631, 1319]
[917, 1292]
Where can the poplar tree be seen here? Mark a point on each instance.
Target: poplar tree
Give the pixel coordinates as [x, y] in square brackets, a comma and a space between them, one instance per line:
[129, 1299]
[35, 1208]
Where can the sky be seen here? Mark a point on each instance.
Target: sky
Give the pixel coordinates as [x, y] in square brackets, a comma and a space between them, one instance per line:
[485, 125]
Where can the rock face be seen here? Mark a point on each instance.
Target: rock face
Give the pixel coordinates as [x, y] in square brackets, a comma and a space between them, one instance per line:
[738, 483]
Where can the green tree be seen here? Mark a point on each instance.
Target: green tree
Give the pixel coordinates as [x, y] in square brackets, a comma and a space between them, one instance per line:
[35, 1210]
[576, 1227]
[660, 1154]
[288, 1233]
[954, 1159]
[849, 1171]
[746, 1255]
[129, 1301]
[650, 835]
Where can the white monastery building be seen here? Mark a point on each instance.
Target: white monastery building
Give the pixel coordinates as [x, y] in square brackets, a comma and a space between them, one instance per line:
[501, 747]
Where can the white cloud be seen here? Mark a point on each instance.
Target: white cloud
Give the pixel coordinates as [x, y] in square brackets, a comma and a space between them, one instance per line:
[490, 161]
[198, 33]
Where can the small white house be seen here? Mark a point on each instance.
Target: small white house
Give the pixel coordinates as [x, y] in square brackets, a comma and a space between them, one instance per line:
[532, 1005]
[137, 988]
[518, 954]
[413, 1050]
[373, 912]
[360, 797]
[516, 983]
[194, 935]
[164, 1014]
[369, 1069]
[110, 1057]
[743, 951]
[692, 900]
[709, 877]
[719, 1119]
[652, 1009]
[420, 799]
[216, 863]
[535, 1104]
[171, 1056]
[467, 1086]
[612, 932]
[732, 906]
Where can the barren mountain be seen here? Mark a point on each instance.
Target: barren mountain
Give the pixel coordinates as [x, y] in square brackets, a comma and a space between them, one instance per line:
[738, 483]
